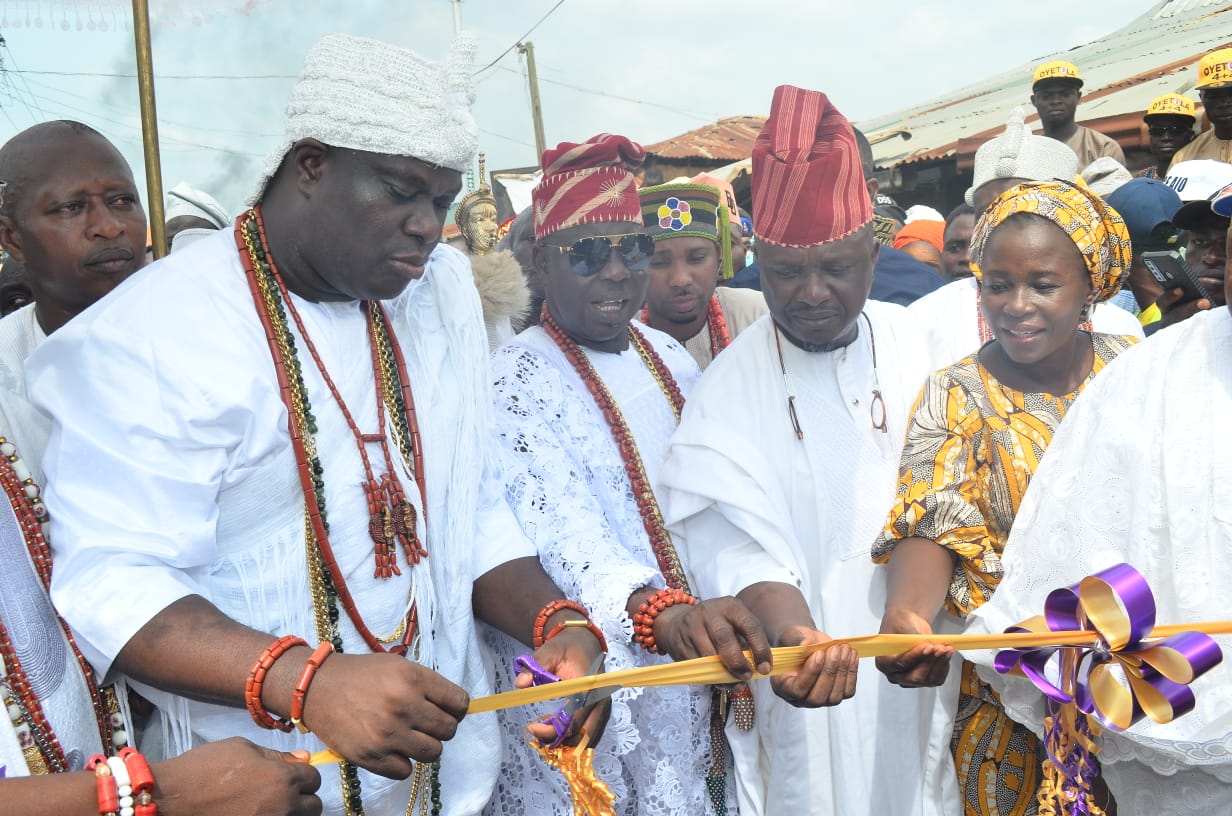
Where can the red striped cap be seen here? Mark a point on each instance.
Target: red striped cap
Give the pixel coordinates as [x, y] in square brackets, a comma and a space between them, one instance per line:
[808, 184]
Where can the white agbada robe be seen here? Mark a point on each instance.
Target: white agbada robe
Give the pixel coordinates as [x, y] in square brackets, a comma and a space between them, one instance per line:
[1140, 472]
[568, 487]
[749, 502]
[949, 318]
[170, 473]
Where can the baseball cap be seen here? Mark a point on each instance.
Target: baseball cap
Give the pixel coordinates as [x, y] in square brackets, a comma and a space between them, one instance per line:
[1148, 207]
[1057, 69]
[1171, 105]
[884, 205]
[1221, 204]
[1215, 69]
[1197, 181]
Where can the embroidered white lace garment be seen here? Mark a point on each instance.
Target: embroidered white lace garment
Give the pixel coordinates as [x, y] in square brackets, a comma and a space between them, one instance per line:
[568, 488]
[1140, 472]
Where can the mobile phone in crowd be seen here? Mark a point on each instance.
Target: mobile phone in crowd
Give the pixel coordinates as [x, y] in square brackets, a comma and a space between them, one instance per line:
[1170, 269]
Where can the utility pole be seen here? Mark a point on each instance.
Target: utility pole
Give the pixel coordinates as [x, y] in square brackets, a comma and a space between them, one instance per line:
[528, 48]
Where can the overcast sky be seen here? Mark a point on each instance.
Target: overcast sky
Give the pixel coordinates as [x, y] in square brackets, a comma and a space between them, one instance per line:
[645, 68]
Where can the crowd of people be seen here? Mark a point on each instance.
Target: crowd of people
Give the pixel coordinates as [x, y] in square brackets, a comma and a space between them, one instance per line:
[317, 479]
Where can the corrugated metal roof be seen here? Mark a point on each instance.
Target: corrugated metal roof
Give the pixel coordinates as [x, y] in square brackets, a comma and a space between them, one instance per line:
[1155, 54]
[729, 139]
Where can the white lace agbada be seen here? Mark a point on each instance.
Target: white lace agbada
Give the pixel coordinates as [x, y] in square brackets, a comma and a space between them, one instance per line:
[749, 502]
[1140, 472]
[170, 473]
[568, 488]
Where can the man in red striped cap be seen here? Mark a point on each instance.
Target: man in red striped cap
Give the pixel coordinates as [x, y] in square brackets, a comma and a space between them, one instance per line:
[782, 515]
[585, 404]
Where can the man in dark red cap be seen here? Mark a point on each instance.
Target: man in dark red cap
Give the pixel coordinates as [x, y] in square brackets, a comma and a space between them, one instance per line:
[782, 515]
[585, 403]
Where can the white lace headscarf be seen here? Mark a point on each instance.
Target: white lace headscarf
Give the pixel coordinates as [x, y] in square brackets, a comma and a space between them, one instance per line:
[369, 95]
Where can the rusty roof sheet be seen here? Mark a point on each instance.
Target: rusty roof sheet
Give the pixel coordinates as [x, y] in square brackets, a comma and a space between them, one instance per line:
[1156, 53]
[729, 139]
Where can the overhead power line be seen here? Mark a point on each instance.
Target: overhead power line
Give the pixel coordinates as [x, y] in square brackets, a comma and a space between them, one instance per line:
[514, 44]
[596, 92]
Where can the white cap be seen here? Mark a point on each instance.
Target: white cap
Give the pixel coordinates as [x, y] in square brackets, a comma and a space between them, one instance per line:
[922, 212]
[1017, 153]
[1198, 179]
[369, 95]
[1197, 182]
[1104, 175]
[185, 200]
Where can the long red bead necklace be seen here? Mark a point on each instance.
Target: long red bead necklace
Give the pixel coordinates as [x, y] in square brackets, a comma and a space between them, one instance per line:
[393, 511]
[716, 322]
[44, 738]
[635, 469]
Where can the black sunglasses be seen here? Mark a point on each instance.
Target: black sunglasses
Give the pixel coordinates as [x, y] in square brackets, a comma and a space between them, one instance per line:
[587, 256]
[1160, 130]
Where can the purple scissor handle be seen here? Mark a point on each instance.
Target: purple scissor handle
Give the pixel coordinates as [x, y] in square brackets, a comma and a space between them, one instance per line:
[562, 718]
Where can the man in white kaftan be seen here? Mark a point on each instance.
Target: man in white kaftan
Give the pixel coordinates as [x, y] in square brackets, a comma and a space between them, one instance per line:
[175, 479]
[822, 388]
[1140, 472]
[762, 505]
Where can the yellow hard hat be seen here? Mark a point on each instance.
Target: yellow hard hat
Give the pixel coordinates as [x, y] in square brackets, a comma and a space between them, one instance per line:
[1171, 105]
[1215, 69]
[1057, 69]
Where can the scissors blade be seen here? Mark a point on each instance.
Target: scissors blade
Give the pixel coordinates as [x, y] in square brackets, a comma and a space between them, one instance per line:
[583, 699]
[580, 701]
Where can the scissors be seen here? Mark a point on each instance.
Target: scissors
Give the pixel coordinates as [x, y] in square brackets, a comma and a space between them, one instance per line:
[562, 718]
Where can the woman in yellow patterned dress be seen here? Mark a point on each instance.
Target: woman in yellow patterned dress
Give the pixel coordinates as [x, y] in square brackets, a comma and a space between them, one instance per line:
[1042, 253]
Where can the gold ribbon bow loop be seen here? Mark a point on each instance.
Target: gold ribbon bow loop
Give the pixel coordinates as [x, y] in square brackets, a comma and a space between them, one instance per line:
[1121, 676]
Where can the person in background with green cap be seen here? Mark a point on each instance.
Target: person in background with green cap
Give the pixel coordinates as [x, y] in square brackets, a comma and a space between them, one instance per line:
[692, 226]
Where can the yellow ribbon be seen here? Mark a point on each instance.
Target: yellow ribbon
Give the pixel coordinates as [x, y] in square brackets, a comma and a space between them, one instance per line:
[788, 659]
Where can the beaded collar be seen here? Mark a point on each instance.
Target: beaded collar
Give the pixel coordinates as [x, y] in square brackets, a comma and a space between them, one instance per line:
[643, 494]
[39, 744]
[716, 322]
[327, 584]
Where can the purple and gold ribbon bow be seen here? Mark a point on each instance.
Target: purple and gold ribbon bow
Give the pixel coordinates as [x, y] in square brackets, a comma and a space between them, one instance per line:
[1118, 606]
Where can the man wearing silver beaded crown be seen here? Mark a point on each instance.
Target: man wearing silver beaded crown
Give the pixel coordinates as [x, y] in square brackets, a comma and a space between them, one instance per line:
[274, 408]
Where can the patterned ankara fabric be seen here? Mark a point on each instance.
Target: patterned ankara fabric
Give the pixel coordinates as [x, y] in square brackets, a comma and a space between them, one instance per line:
[1096, 229]
[808, 184]
[586, 183]
[972, 447]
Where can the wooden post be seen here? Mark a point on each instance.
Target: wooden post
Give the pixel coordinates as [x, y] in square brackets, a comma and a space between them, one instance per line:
[149, 128]
[528, 48]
